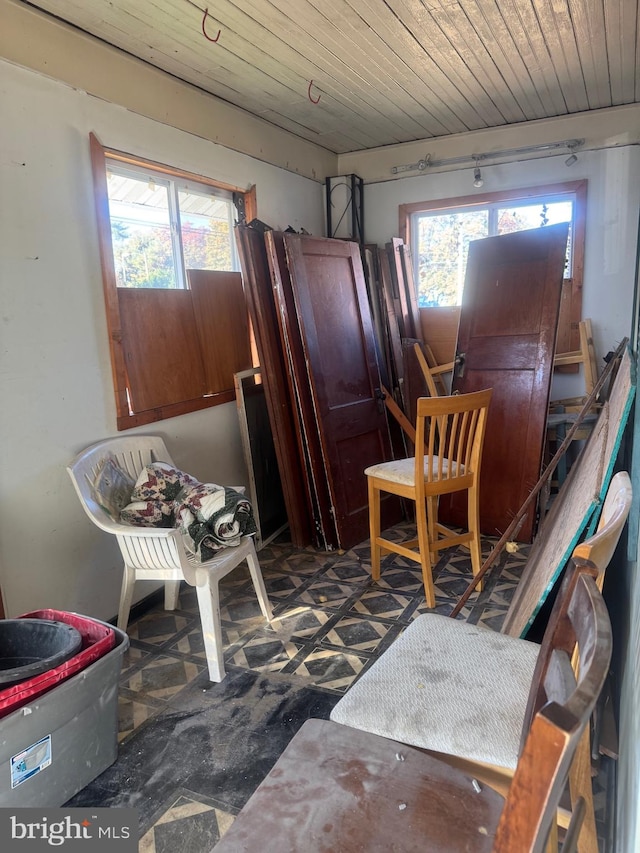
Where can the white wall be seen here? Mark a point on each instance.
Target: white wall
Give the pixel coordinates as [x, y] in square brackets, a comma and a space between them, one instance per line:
[611, 227]
[55, 374]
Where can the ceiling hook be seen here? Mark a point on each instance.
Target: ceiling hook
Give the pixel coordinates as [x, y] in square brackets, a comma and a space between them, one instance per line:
[204, 31]
[317, 101]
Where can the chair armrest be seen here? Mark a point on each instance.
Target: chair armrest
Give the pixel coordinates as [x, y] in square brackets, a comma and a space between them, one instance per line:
[141, 532]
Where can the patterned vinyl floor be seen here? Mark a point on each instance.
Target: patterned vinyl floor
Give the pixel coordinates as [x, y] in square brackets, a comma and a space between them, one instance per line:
[192, 752]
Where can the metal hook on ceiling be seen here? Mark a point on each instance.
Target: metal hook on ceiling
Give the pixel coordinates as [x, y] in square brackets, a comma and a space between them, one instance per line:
[317, 101]
[204, 31]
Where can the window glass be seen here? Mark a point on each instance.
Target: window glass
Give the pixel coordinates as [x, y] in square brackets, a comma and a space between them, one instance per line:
[160, 228]
[141, 232]
[443, 244]
[522, 217]
[206, 228]
[442, 239]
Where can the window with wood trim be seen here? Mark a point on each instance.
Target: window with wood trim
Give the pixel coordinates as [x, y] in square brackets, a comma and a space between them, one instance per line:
[176, 313]
[439, 233]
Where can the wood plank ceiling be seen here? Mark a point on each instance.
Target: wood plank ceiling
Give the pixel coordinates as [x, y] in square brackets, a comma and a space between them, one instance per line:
[384, 71]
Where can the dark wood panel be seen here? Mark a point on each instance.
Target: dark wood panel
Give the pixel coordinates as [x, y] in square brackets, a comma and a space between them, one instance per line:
[506, 339]
[159, 330]
[222, 324]
[266, 493]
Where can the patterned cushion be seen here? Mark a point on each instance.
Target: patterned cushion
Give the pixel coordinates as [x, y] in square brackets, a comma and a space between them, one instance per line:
[148, 514]
[448, 686]
[160, 482]
[152, 500]
[209, 516]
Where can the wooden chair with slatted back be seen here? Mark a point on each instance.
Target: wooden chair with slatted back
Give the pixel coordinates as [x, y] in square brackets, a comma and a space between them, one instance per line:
[443, 673]
[337, 788]
[450, 430]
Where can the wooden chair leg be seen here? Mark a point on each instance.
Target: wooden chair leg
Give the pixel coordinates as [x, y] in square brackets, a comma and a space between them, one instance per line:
[374, 529]
[171, 594]
[209, 605]
[475, 545]
[425, 556]
[432, 517]
[126, 597]
[581, 785]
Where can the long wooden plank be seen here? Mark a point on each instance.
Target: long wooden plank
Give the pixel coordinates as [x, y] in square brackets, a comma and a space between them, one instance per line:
[262, 310]
[399, 415]
[396, 266]
[411, 291]
[393, 325]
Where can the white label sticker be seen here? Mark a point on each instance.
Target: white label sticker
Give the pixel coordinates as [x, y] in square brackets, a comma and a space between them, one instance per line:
[30, 761]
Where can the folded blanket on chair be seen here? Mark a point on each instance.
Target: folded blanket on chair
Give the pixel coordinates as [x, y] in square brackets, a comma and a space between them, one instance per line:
[211, 517]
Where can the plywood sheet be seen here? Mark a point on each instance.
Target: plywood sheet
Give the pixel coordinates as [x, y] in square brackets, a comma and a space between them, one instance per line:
[581, 495]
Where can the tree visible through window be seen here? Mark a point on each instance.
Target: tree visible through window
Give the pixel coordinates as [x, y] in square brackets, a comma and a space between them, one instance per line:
[441, 241]
[159, 228]
[439, 233]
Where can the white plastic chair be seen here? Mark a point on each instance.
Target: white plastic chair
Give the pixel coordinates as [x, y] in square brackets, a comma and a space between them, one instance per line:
[152, 553]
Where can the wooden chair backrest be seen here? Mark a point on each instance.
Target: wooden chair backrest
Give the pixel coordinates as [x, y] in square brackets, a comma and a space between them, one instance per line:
[559, 709]
[600, 547]
[451, 430]
[429, 378]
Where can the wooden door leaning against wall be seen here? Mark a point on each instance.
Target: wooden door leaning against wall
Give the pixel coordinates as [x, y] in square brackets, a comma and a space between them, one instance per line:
[506, 341]
[333, 313]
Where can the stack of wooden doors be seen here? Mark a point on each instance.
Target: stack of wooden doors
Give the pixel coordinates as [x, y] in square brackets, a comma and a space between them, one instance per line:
[333, 343]
[315, 340]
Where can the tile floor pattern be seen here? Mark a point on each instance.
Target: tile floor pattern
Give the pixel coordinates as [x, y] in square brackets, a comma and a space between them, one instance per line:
[192, 752]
